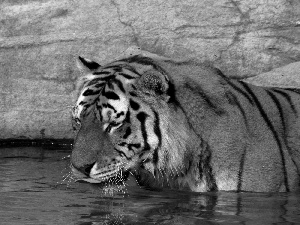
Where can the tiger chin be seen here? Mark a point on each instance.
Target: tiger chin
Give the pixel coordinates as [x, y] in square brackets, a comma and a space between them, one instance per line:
[185, 126]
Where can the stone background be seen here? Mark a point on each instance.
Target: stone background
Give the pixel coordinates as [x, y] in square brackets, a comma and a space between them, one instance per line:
[41, 39]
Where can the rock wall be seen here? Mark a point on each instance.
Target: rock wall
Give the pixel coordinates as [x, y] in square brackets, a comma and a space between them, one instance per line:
[40, 40]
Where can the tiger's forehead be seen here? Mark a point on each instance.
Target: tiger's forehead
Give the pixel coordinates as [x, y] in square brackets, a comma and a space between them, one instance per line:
[108, 85]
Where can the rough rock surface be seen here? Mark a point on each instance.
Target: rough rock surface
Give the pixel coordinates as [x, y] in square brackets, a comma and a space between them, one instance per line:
[286, 77]
[40, 40]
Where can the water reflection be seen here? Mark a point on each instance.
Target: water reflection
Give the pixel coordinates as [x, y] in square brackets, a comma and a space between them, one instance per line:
[142, 206]
[41, 192]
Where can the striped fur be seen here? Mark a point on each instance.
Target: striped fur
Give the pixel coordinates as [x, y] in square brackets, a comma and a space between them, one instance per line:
[184, 126]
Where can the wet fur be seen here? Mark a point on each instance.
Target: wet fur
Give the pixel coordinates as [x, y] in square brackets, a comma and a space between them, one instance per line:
[216, 135]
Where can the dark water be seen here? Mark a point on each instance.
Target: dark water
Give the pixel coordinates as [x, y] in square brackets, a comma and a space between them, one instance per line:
[35, 191]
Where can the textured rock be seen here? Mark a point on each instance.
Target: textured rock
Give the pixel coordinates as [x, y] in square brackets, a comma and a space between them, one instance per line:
[287, 77]
[40, 40]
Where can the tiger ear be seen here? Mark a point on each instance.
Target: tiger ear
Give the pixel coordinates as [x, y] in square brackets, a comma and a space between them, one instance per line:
[154, 82]
[85, 64]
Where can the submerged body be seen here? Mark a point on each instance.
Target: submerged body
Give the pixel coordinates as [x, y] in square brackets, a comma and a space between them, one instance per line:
[182, 125]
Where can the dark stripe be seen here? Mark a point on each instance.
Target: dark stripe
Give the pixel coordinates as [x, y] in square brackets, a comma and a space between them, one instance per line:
[105, 78]
[132, 94]
[136, 59]
[107, 105]
[134, 105]
[131, 146]
[99, 85]
[108, 129]
[114, 124]
[121, 153]
[119, 84]
[100, 115]
[271, 127]
[95, 81]
[172, 93]
[88, 105]
[122, 144]
[127, 118]
[279, 107]
[110, 85]
[111, 107]
[102, 73]
[157, 132]
[276, 101]
[142, 116]
[110, 95]
[241, 170]
[127, 76]
[99, 109]
[132, 69]
[91, 92]
[188, 167]
[220, 73]
[127, 133]
[77, 121]
[205, 168]
[116, 68]
[287, 97]
[238, 104]
[119, 114]
[239, 90]
[111, 125]
[295, 90]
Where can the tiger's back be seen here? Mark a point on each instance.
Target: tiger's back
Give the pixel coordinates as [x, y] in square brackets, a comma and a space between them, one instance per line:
[185, 126]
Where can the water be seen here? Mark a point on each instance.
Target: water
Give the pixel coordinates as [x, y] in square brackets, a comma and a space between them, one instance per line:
[40, 191]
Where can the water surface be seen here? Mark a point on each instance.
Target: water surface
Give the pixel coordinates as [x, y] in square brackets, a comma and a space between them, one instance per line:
[39, 190]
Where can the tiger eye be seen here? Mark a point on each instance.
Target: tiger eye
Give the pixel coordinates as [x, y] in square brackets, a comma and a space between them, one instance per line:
[109, 114]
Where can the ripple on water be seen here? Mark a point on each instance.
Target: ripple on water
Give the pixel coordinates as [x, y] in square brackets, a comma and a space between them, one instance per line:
[34, 191]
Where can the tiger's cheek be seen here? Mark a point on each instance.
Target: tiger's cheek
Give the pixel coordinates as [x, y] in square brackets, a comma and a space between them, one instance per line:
[127, 144]
[127, 135]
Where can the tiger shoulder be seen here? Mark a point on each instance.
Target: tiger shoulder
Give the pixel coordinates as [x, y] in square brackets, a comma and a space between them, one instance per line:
[184, 125]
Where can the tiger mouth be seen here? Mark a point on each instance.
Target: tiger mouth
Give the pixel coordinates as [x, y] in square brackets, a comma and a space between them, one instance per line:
[102, 175]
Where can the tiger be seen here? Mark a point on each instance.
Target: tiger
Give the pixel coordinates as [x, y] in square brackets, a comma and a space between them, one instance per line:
[183, 125]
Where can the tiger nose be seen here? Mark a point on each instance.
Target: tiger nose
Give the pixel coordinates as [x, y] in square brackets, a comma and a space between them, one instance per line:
[85, 169]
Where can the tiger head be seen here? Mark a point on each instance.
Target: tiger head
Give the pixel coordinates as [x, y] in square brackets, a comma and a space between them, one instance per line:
[126, 121]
